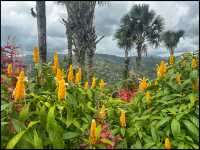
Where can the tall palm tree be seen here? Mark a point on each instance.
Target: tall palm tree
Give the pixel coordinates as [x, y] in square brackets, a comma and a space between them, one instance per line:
[125, 41]
[81, 19]
[146, 27]
[41, 26]
[171, 39]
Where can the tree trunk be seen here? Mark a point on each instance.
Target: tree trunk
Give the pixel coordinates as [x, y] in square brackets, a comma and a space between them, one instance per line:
[139, 53]
[126, 63]
[69, 41]
[41, 25]
[90, 55]
[171, 51]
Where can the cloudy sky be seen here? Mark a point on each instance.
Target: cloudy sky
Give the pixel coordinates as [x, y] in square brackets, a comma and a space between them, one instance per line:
[17, 21]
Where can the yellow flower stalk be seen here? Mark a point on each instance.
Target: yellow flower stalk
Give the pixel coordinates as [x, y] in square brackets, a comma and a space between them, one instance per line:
[195, 86]
[162, 69]
[78, 76]
[86, 86]
[156, 82]
[36, 55]
[93, 135]
[9, 69]
[61, 89]
[55, 62]
[102, 112]
[70, 76]
[102, 84]
[93, 82]
[148, 98]
[194, 63]
[178, 78]
[19, 91]
[167, 144]
[143, 84]
[122, 119]
[59, 74]
[171, 59]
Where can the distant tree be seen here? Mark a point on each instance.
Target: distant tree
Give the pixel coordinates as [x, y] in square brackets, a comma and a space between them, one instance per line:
[125, 41]
[171, 39]
[41, 26]
[145, 26]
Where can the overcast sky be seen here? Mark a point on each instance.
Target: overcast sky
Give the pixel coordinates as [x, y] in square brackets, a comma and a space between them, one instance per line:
[16, 20]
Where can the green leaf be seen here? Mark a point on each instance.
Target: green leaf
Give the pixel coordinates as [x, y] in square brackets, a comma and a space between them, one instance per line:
[149, 145]
[195, 120]
[175, 127]
[24, 113]
[153, 133]
[192, 128]
[37, 141]
[162, 122]
[70, 135]
[122, 131]
[11, 144]
[32, 123]
[98, 131]
[106, 141]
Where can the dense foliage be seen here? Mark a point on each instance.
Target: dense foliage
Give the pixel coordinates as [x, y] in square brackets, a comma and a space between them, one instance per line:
[163, 113]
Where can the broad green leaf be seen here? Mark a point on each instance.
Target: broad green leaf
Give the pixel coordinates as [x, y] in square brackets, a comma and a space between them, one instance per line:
[195, 120]
[106, 141]
[192, 128]
[11, 144]
[153, 133]
[37, 141]
[163, 122]
[175, 127]
[32, 123]
[122, 131]
[70, 135]
[149, 145]
[98, 131]
[24, 113]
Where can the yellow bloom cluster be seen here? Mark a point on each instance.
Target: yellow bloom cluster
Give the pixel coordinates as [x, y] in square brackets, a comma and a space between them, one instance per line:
[59, 74]
[143, 84]
[148, 98]
[70, 76]
[19, 91]
[55, 63]
[9, 69]
[194, 63]
[171, 59]
[102, 112]
[102, 84]
[93, 82]
[61, 89]
[36, 55]
[93, 135]
[122, 119]
[78, 76]
[178, 78]
[162, 69]
[167, 144]
[86, 86]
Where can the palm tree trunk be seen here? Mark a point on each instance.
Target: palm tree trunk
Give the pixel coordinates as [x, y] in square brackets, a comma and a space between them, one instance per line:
[69, 41]
[139, 53]
[41, 25]
[90, 55]
[126, 63]
[171, 51]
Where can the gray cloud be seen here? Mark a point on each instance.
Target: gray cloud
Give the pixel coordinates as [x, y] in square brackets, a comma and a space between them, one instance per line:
[16, 20]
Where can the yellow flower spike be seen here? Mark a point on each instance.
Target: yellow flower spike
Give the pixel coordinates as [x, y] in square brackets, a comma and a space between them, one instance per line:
[148, 98]
[102, 84]
[19, 91]
[61, 89]
[70, 76]
[167, 144]
[171, 59]
[78, 76]
[195, 86]
[162, 69]
[156, 82]
[86, 86]
[36, 55]
[102, 112]
[93, 135]
[93, 82]
[178, 78]
[122, 119]
[9, 69]
[55, 62]
[194, 63]
[143, 84]
[59, 74]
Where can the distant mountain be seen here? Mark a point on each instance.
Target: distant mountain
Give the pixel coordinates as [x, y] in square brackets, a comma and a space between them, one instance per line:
[110, 67]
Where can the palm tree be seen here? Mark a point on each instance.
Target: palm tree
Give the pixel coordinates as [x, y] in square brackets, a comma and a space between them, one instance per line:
[41, 25]
[125, 41]
[146, 27]
[81, 19]
[171, 39]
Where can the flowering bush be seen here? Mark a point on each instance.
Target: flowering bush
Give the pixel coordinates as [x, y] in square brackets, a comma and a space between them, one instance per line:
[55, 108]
